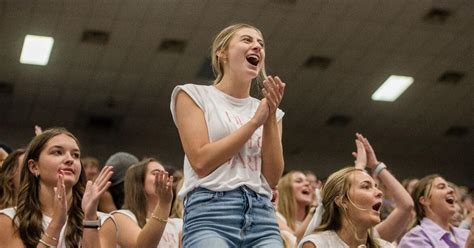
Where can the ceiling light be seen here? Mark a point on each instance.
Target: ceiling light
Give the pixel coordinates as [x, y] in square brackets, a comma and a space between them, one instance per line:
[392, 88]
[36, 50]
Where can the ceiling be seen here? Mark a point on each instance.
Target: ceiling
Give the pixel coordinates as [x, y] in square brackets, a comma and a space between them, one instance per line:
[111, 86]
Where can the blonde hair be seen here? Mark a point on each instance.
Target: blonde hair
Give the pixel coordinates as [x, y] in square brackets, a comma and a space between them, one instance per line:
[422, 188]
[178, 207]
[286, 201]
[221, 43]
[338, 185]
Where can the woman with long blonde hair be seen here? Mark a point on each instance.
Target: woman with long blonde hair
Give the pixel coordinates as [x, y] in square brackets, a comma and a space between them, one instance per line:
[295, 205]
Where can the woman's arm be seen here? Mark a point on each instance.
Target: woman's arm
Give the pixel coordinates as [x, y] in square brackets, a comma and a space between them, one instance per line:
[91, 236]
[151, 233]
[8, 237]
[395, 224]
[204, 156]
[272, 151]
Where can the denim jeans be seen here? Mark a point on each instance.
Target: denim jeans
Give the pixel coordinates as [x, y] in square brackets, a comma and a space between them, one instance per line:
[236, 218]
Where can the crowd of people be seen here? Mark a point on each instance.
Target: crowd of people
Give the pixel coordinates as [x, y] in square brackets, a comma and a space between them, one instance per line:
[232, 190]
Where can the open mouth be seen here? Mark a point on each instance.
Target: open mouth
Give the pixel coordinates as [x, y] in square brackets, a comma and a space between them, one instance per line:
[377, 206]
[450, 199]
[253, 59]
[305, 192]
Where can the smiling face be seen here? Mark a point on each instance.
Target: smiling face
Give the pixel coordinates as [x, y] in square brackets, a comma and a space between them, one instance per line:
[152, 169]
[301, 189]
[364, 200]
[245, 54]
[440, 200]
[60, 154]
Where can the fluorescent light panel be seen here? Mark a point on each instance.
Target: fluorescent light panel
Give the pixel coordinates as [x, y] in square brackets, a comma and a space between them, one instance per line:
[392, 88]
[36, 50]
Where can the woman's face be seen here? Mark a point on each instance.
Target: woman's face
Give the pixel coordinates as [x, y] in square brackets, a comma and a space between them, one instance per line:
[301, 189]
[245, 55]
[366, 200]
[60, 154]
[152, 169]
[441, 199]
[16, 176]
[91, 171]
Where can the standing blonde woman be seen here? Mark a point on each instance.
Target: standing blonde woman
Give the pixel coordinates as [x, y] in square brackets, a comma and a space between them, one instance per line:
[56, 208]
[233, 148]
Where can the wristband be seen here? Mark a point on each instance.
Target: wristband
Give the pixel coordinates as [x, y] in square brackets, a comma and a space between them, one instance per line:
[379, 168]
[91, 223]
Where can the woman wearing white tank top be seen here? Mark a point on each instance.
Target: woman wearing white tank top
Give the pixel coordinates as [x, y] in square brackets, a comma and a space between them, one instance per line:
[232, 145]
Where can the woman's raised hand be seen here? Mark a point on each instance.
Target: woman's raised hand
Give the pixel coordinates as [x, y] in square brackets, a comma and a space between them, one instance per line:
[60, 201]
[372, 161]
[94, 191]
[360, 156]
[164, 186]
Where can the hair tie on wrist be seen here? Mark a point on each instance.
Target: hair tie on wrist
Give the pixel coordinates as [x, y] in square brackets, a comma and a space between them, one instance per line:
[379, 168]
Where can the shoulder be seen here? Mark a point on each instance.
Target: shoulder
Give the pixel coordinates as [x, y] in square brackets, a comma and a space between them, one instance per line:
[384, 243]
[124, 215]
[191, 89]
[416, 237]
[10, 212]
[319, 239]
[7, 235]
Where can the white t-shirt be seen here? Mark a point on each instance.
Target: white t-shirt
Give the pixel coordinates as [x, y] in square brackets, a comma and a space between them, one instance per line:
[170, 236]
[10, 212]
[330, 239]
[224, 114]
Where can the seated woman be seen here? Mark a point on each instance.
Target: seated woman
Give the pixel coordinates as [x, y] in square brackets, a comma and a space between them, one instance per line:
[434, 206]
[295, 206]
[148, 198]
[351, 202]
[393, 225]
[55, 207]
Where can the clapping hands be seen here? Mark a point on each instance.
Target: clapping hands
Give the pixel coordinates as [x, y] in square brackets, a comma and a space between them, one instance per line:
[365, 155]
[94, 191]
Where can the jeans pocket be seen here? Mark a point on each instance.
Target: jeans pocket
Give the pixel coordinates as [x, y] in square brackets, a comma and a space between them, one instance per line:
[199, 199]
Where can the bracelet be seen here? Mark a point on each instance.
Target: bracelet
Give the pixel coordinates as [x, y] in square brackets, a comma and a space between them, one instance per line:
[379, 168]
[46, 244]
[164, 221]
[91, 223]
[53, 238]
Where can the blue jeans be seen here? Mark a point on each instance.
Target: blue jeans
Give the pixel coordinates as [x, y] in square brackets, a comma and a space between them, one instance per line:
[236, 218]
